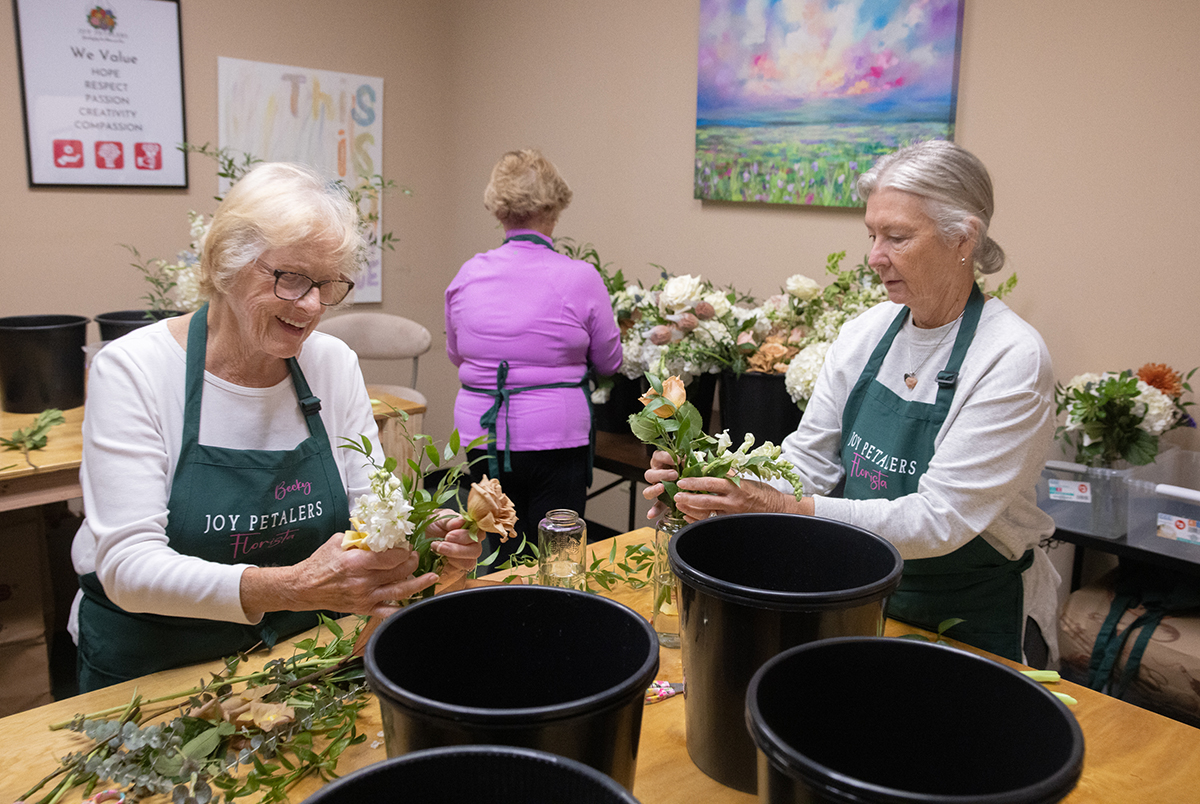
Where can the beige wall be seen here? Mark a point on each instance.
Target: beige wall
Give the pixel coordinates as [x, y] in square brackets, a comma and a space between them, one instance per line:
[1083, 111]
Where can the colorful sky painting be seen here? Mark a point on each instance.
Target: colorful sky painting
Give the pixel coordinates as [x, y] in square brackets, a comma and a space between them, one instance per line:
[773, 62]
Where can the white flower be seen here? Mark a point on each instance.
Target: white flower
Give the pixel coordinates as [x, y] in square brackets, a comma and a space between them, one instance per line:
[802, 287]
[186, 293]
[720, 303]
[380, 519]
[600, 395]
[802, 372]
[681, 293]
[1161, 412]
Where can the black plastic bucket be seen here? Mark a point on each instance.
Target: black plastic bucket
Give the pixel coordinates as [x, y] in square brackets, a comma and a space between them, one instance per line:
[751, 586]
[551, 669]
[41, 362]
[473, 774]
[122, 322]
[895, 721]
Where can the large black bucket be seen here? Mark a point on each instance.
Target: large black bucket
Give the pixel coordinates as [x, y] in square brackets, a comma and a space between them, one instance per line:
[41, 362]
[894, 721]
[473, 774]
[537, 667]
[613, 415]
[751, 586]
[122, 322]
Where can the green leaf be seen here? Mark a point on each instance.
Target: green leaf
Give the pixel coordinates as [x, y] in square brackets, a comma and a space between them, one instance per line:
[201, 746]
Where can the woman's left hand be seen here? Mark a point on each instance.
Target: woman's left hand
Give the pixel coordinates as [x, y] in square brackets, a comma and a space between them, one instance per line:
[713, 496]
[457, 546]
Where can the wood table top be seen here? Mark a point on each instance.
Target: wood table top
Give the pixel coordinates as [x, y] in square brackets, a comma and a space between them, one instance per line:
[1132, 755]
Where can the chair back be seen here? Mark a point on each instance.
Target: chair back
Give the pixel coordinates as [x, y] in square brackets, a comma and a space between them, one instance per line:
[380, 336]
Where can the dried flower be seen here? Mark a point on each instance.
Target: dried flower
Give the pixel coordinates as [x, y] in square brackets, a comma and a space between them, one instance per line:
[269, 716]
[489, 509]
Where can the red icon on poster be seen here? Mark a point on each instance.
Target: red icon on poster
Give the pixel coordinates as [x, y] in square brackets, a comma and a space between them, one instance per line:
[68, 153]
[147, 156]
[110, 155]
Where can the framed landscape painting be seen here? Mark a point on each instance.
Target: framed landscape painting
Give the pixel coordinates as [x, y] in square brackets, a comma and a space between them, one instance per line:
[796, 98]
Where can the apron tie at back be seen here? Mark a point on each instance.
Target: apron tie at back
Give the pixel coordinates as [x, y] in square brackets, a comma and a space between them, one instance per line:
[500, 396]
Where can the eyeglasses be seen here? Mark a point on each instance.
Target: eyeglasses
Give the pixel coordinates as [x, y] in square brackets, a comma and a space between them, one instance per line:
[291, 286]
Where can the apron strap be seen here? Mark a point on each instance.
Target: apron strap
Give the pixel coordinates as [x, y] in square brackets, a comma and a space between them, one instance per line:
[531, 238]
[501, 394]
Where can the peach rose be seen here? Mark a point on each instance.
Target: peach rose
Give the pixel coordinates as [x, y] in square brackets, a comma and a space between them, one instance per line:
[673, 391]
[490, 508]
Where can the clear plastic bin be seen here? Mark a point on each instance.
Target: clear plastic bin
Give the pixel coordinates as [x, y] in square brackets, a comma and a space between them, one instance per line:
[1164, 504]
[1085, 499]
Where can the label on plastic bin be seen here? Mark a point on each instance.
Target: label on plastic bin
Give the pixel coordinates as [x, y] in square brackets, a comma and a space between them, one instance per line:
[1070, 490]
[1178, 528]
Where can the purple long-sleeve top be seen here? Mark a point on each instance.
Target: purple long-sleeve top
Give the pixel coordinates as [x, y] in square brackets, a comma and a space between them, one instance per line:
[549, 316]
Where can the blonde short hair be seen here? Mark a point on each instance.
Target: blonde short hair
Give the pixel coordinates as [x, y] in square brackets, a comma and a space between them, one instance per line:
[525, 186]
[277, 205]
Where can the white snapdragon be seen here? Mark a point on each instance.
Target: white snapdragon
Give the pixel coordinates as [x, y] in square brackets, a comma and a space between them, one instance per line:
[802, 373]
[381, 518]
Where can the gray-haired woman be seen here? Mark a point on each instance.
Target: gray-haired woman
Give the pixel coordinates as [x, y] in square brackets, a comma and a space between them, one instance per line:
[215, 496]
[936, 410]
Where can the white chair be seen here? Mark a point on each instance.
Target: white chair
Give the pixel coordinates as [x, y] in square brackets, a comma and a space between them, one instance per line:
[381, 336]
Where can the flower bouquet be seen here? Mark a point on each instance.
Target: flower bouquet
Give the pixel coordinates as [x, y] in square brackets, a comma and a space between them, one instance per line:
[1116, 418]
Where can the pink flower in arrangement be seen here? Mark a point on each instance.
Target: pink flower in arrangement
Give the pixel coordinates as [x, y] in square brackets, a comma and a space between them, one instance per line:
[808, 199]
[704, 311]
[687, 322]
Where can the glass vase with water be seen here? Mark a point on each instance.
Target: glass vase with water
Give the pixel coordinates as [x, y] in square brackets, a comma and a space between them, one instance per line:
[562, 549]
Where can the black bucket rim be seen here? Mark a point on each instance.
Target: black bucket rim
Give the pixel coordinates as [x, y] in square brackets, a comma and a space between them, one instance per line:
[486, 717]
[779, 600]
[466, 752]
[127, 316]
[10, 323]
[1053, 788]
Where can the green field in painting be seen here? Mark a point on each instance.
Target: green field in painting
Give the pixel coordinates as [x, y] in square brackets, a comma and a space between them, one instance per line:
[796, 164]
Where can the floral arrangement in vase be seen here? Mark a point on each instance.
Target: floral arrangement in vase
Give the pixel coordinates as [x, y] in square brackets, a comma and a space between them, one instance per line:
[1114, 417]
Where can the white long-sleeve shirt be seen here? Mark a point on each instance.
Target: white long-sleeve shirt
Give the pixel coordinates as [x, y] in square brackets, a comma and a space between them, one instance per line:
[989, 452]
[132, 433]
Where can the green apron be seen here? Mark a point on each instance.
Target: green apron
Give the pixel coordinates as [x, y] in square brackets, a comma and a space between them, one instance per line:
[887, 444]
[229, 506]
[501, 394]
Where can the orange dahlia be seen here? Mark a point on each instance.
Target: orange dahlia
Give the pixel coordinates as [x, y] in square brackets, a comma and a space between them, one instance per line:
[1162, 377]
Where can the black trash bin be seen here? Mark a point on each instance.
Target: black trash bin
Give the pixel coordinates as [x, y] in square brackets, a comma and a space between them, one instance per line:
[751, 586]
[121, 322]
[895, 721]
[41, 362]
[550, 669]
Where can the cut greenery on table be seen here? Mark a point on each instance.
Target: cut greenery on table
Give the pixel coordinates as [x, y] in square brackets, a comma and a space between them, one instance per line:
[258, 732]
[35, 436]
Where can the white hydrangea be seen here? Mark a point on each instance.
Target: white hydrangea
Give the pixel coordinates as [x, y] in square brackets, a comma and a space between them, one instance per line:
[802, 372]
[802, 287]
[186, 294]
[681, 293]
[1161, 412]
[720, 303]
[382, 516]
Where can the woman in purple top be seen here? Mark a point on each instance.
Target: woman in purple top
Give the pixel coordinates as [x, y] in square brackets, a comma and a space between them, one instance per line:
[524, 324]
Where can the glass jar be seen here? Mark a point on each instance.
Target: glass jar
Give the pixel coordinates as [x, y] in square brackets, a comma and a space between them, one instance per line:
[665, 613]
[562, 549]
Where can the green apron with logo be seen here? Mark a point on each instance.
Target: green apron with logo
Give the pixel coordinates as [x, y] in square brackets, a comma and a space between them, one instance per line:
[501, 394]
[887, 444]
[229, 506]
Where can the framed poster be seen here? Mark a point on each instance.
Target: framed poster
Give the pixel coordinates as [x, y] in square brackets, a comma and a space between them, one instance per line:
[330, 121]
[102, 92]
[795, 101]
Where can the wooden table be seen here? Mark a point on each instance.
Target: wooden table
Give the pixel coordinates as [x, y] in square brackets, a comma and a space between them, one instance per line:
[1132, 755]
[56, 476]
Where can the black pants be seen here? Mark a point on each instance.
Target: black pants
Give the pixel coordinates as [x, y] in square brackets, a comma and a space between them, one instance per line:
[540, 481]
